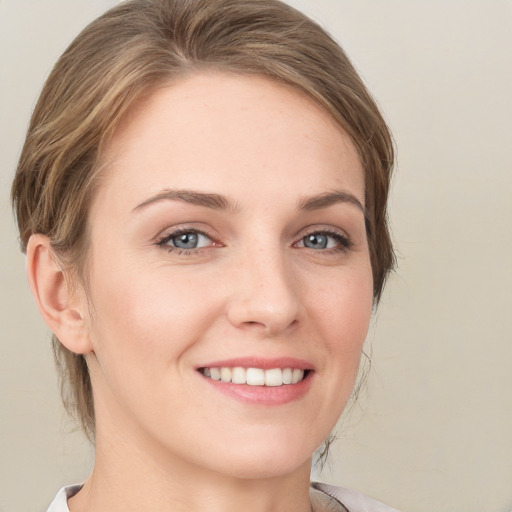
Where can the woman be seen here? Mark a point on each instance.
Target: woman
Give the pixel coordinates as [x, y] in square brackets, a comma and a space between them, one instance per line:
[202, 201]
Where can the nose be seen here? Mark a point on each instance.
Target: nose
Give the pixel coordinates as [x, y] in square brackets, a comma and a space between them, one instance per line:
[265, 295]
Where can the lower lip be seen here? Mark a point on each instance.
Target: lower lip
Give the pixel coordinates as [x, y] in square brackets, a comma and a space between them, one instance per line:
[263, 395]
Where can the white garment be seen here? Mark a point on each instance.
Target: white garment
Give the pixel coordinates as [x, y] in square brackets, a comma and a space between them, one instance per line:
[60, 503]
[353, 501]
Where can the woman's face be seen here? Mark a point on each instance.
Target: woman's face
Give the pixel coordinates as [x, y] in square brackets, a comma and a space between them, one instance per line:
[227, 241]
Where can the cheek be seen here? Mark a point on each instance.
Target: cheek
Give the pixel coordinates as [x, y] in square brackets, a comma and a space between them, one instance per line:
[143, 328]
[148, 314]
[344, 307]
[343, 311]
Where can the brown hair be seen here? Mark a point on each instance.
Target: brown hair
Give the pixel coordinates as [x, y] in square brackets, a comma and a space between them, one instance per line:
[141, 44]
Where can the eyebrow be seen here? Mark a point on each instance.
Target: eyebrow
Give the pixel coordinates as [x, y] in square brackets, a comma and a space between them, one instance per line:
[213, 201]
[219, 202]
[327, 199]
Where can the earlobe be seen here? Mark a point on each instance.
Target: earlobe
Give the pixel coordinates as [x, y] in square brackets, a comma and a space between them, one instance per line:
[55, 301]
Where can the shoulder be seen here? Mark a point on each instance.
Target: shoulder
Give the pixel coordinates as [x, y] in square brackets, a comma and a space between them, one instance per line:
[353, 501]
[60, 502]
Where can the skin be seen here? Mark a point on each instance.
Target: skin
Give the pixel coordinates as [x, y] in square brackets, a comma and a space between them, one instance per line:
[166, 438]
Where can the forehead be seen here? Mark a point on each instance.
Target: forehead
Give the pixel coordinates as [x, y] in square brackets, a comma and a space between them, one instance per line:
[225, 132]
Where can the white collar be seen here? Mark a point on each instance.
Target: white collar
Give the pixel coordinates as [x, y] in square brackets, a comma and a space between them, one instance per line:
[60, 502]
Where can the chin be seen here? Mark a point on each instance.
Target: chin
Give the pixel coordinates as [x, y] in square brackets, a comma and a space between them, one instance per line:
[265, 460]
[271, 468]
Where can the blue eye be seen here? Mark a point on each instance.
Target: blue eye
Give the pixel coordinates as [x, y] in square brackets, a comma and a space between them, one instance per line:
[185, 240]
[316, 241]
[324, 240]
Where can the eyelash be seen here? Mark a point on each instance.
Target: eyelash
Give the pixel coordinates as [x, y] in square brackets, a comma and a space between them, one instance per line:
[343, 241]
[163, 241]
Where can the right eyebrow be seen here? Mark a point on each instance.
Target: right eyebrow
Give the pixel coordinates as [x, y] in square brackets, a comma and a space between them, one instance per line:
[213, 201]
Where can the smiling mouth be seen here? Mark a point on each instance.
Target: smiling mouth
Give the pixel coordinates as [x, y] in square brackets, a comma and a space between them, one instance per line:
[272, 377]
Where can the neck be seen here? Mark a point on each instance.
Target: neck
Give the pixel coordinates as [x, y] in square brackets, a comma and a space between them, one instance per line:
[128, 476]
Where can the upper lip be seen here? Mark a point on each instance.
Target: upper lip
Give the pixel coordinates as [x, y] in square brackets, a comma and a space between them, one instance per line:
[260, 362]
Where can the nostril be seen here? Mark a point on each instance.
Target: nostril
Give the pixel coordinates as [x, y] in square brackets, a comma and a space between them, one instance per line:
[269, 311]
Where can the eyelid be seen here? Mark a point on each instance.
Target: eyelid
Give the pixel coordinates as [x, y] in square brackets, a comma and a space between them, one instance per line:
[184, 227]
[166, 235]
[345, 241]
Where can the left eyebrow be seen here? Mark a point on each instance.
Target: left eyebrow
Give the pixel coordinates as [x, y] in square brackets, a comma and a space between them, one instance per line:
[327, 199]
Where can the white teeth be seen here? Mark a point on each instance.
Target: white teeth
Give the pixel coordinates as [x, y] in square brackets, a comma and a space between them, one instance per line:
[239, 376]
[287, 376]
[214, 373]
[297, 375]
[255, 376]
[225, 374]
[274, 377]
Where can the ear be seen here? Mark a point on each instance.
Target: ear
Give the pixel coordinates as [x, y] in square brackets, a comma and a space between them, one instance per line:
[60, 310]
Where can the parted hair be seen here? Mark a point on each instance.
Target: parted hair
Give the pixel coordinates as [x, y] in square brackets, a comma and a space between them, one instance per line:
[140, 45]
